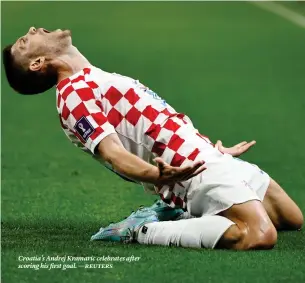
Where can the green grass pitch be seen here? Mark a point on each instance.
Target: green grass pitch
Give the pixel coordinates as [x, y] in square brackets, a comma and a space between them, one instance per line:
[236, 70]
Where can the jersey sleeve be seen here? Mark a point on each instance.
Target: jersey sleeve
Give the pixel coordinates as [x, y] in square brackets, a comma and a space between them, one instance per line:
[83, 115]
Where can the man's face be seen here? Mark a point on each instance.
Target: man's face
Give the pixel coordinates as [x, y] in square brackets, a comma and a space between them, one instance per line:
[41, 42]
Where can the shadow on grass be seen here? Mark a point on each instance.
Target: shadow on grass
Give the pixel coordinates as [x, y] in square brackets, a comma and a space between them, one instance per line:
[45, 236]
[22, 233]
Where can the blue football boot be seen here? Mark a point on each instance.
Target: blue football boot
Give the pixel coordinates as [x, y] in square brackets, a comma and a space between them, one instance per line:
[125, 231]
[165, 212]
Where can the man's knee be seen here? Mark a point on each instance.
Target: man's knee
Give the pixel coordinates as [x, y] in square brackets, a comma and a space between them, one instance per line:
[233, 238]
[292, 220]
[296, 221]
[282, 210]
[265, 239]
[241, 237]
[300, 222]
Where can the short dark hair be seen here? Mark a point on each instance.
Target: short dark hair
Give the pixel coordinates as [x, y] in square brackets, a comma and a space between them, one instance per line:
[24, 80]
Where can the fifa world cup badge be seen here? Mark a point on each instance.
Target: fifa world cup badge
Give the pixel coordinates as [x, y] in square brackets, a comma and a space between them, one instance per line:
[84, 128]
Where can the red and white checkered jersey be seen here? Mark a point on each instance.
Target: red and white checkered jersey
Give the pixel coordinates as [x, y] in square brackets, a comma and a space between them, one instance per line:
[93, 104]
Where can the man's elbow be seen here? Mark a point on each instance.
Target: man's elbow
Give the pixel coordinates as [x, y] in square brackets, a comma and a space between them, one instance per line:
[109, 154]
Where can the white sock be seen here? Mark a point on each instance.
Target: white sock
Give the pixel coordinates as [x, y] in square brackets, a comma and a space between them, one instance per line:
[191, 233]
[184, 215]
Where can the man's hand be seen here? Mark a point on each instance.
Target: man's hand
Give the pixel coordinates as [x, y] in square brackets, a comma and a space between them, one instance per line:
[170, 175]
[235, 150]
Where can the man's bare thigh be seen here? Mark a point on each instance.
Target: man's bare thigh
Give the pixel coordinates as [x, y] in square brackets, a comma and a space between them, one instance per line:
[282, 210]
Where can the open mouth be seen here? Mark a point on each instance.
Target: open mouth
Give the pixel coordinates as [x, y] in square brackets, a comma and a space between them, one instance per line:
[46, 31]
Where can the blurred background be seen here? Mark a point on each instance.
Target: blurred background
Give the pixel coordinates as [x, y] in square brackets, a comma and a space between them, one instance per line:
[235, 69]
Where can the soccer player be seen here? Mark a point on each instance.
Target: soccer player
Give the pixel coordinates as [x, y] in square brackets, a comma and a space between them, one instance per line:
[130, 129]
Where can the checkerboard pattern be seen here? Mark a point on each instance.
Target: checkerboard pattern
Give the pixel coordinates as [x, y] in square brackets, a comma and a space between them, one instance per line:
[146, 125]
[75, 100]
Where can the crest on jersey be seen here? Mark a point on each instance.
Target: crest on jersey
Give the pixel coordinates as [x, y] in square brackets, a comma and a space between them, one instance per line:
[84, 128]
[150, 92]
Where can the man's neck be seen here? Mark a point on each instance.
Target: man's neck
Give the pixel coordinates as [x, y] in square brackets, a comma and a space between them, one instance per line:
[70, 63]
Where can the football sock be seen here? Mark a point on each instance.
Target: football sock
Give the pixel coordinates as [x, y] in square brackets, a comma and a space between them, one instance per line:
[191, 233]
[184, 215]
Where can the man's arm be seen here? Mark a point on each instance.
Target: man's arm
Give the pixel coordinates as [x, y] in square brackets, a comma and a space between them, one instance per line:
[86, 119]
[128, 164]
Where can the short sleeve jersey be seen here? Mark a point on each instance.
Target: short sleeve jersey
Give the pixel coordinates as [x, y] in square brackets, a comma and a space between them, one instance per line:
[93, 104]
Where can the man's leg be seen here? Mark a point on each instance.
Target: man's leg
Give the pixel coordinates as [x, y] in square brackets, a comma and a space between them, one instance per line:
[144, 227]
[282, 210]
[203, 232]
[253, 229]
[242, 227]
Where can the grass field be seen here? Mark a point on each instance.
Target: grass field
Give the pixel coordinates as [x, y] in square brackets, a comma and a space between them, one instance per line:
[236, 70]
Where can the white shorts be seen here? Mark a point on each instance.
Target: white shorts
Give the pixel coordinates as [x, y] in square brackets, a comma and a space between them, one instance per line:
[224, 184]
